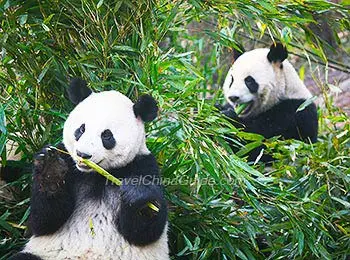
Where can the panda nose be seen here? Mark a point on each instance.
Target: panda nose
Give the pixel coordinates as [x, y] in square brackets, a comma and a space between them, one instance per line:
[233, 98]
[83, 155]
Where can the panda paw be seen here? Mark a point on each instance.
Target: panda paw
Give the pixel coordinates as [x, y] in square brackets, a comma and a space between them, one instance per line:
[219, 106]
[138, 223]
[49, 170]
[230, 113]
[137, 199]
[227, 110]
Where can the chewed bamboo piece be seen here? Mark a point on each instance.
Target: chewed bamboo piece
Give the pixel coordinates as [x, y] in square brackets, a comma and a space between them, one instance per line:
[240, 108]
[104, 173]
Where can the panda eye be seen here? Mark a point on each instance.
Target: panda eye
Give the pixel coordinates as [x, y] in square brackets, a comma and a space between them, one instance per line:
[82, 128]
[108, 140]
[231, 81]
[79, 132]
[107, 134]
[251, 84]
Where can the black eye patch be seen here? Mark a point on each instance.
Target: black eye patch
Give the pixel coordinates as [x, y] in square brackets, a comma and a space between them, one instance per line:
[251, 84]
[108, 140]
[79, 132]
[231, 81]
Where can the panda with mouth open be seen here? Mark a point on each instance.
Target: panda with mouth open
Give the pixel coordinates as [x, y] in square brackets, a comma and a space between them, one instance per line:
[75, 212]
[272, 91]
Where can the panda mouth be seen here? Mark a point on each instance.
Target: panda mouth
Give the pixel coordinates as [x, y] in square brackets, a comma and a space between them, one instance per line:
[83, 167]
[248, 106]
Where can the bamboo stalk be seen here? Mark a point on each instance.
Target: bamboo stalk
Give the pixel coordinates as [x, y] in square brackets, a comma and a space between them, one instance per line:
[104, 173]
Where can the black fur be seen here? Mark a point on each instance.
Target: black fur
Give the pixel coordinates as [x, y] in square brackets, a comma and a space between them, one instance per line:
[238, 52]
[24, 256]
[146, 107]
[57, 182]
[78, 90]
[139, 224]
[280, 120]
[251, 84]
[108, 140]
[227, 110]
[14, 170]
[277, 53]
[83, 155]
[232, 79]
[79, 132]
[52, 200]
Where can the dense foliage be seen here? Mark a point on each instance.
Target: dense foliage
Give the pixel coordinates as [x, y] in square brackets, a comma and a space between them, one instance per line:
[179, 51]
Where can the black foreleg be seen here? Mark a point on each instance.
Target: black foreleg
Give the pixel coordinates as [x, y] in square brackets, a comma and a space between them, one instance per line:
[24, 256]
[137, 222]
[52, 199]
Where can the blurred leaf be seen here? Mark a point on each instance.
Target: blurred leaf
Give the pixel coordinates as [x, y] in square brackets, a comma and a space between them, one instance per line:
[306, 103]
[2, 129]
[345, 203]
[45, 27]
[99, 4]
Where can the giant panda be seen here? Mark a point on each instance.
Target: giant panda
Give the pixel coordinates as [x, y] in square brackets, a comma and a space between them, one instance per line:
[75, 212]
[268, 84]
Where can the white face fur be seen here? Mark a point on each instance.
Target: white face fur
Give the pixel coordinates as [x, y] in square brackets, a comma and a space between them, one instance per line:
[272, 81]
[87, 124]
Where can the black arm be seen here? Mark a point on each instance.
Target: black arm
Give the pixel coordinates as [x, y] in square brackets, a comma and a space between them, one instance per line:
[137, 222]
[228, 111]
[307, 123]
[282, 119]
[52, 200]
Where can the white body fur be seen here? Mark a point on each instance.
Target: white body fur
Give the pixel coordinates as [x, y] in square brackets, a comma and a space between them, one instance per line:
[275, 84]
[75, 240]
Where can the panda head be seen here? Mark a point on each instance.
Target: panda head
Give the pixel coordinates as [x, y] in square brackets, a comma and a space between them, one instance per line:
[107, 127]
[261, 78]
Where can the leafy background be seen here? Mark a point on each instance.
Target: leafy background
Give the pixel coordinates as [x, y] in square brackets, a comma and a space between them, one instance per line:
[180, 51]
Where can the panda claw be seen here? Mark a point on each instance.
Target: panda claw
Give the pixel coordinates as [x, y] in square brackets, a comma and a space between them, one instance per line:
[50, 169]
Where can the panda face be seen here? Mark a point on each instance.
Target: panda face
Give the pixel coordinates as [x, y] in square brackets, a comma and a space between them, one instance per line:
[104, 129]
[250, 81]
[261, 78]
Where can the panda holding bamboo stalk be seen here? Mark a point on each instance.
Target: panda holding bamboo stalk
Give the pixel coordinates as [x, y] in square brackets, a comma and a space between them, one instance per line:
[76, 213]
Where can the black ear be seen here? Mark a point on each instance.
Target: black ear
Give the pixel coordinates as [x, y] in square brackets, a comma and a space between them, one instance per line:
[238, 52]
[146, 108]
[277, 53]
[78, 90]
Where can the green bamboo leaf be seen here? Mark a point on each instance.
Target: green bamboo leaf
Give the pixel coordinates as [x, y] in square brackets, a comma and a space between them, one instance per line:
[188, 242]
[306, 103]
[343, 202]
[99, 4]
[302, 72]
[317, 193]
[240, 254]
[2, 120]
[45, 27]
[3, 129]
[23, 19]
[300, 238]
[44, 70]
[124, 48]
